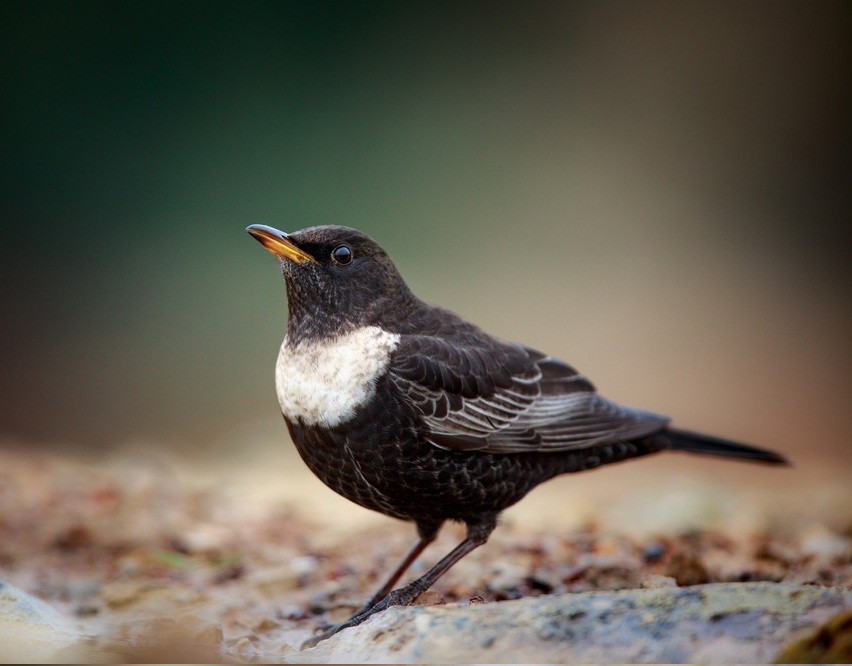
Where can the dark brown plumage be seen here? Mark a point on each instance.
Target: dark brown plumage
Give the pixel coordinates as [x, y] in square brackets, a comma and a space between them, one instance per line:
[409, 410]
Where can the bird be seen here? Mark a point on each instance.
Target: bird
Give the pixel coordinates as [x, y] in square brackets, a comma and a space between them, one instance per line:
[410, 410]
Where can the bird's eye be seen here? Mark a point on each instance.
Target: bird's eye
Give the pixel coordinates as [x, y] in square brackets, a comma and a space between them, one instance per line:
[342, 254]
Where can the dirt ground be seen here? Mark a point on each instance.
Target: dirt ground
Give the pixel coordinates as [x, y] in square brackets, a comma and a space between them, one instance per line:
[165, 560]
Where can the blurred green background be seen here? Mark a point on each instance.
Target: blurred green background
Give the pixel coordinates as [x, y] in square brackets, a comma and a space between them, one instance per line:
[657, 192]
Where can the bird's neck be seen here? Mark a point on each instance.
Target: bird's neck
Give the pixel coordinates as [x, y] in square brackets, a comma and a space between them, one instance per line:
[312, 320]
[307, 324]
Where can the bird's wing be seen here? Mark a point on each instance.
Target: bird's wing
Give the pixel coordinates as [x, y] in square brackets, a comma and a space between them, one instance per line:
[504, 398]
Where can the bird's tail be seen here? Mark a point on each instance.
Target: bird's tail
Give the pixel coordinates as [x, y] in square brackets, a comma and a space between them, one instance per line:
[694, 442]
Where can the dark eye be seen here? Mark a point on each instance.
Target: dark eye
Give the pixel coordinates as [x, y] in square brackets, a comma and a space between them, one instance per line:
[342, 254]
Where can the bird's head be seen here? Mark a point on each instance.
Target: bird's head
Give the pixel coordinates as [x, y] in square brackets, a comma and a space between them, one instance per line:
[337, 279]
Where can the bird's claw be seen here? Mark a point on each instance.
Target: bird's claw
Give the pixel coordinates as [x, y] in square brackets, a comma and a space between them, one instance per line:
[313, 641]
[353, 621]
[392, 599]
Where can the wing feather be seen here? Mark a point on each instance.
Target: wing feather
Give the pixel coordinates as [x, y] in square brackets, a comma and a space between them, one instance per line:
[498, 397]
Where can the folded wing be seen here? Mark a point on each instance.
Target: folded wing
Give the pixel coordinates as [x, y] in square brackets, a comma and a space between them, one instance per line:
[498, 397]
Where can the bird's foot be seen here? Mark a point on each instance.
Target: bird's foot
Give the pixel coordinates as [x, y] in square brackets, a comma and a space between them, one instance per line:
[326, 626]
[400, 597]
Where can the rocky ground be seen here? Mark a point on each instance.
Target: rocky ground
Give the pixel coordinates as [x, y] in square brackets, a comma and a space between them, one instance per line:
[133, 560]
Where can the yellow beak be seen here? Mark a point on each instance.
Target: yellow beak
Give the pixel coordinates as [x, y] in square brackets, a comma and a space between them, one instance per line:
[276, 242]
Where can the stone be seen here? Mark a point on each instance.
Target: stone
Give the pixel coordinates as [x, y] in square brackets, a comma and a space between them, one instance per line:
[743, 623]
[31, 630]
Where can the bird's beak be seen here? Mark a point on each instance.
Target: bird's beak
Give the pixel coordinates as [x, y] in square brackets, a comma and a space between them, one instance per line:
[276, 242]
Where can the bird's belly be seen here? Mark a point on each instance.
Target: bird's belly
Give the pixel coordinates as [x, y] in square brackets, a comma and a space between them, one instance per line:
[325, 453]
[394, 472]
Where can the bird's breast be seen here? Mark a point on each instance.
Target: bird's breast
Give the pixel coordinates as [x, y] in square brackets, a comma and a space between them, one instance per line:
[322, 382]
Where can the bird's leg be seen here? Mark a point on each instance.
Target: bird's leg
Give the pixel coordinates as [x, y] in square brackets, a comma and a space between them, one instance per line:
[426, 536]
[426, 533]
[477, 534]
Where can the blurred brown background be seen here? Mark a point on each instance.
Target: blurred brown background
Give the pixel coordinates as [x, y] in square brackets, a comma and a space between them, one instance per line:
[655, 192]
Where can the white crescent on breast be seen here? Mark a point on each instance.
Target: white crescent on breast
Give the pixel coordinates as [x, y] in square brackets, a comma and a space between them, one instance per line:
[323, 382]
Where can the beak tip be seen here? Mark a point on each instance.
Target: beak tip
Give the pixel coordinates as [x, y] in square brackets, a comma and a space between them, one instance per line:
[257, 230]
